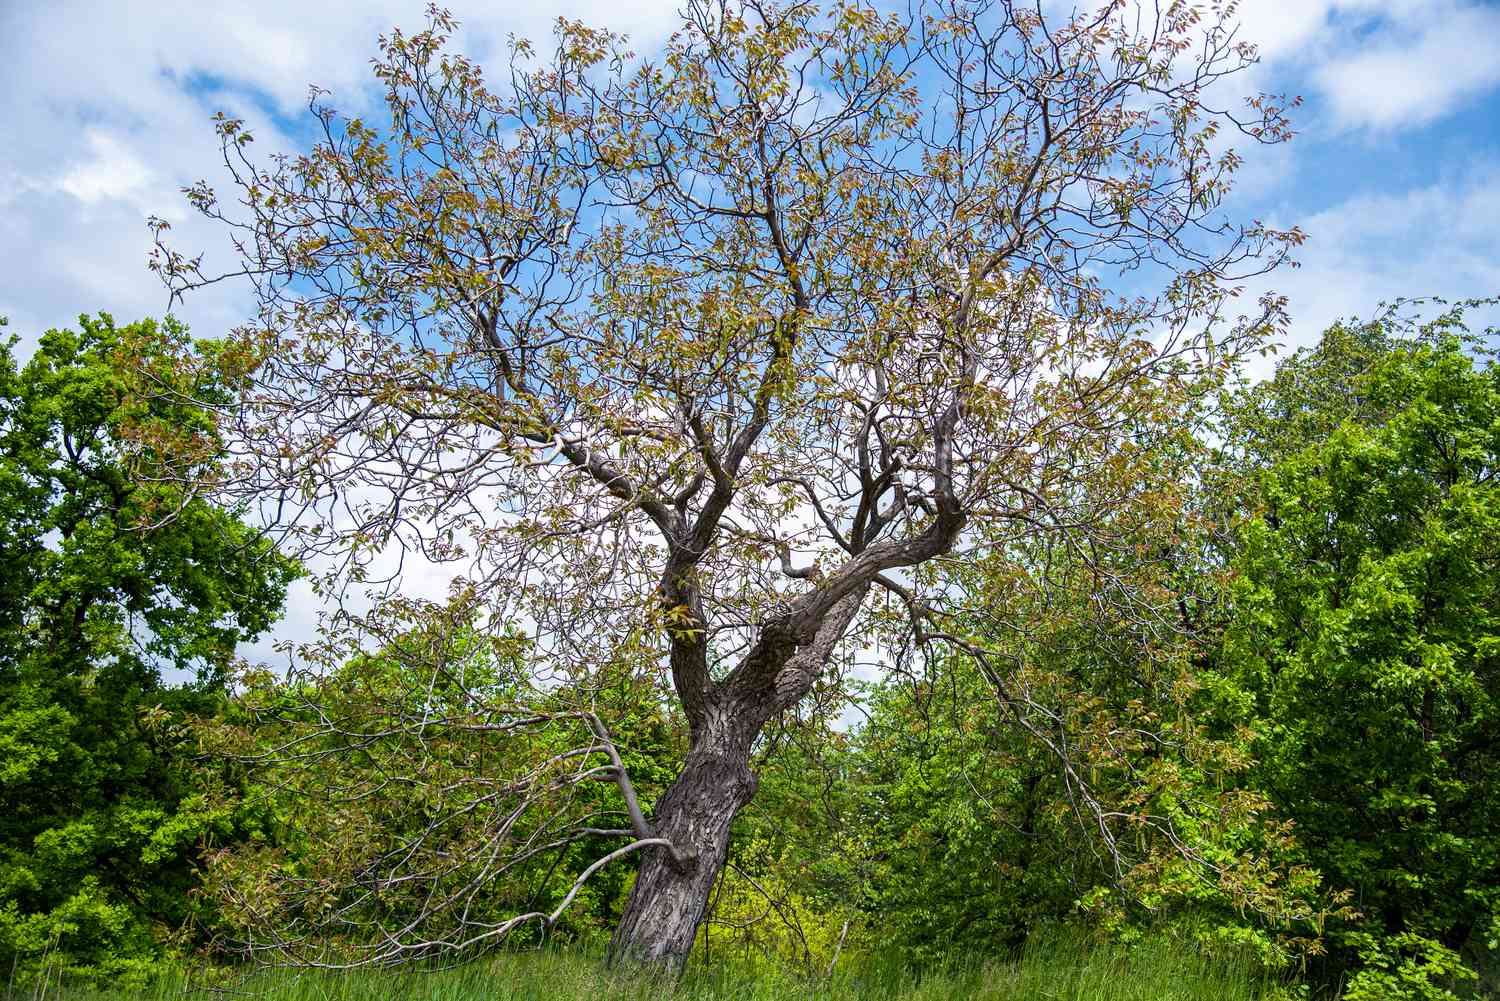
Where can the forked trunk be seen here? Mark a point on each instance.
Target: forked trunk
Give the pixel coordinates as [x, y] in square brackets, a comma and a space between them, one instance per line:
[671, 893]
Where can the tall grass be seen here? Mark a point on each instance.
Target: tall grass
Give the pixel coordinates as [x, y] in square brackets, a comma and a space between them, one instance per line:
[1056, 970]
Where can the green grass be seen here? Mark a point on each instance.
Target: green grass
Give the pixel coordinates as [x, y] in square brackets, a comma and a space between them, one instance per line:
[1060, 971]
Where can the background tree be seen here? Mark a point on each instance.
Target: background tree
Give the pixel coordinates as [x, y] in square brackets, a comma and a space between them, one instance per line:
[105, 607]
[1365, 637]
[700, 363]
[1110, 790]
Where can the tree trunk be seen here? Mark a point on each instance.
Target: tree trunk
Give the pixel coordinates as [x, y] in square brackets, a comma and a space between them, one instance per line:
[671, 892]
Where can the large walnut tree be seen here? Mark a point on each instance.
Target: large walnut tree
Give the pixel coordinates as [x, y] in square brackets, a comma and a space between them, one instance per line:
[725, 367]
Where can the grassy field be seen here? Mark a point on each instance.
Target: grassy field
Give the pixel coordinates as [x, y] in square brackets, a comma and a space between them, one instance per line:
[1057, 972]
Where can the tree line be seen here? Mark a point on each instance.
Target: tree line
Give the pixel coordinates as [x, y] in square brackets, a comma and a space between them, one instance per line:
[1323, 736]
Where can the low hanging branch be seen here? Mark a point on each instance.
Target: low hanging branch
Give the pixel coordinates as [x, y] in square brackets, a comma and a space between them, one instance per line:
[421, 779]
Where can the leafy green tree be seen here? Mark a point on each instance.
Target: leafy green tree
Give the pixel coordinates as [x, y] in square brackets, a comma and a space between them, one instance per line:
[104, 604]
[1367, 638]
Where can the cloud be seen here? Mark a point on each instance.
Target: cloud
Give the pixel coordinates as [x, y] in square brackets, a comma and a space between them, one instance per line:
[1437, 240]
[108, 107]
[1376, 64]
[112, 172]
[1416, 72]
[98, 51]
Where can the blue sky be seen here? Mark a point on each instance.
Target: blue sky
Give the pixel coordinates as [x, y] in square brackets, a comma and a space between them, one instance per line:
[105, 110]
[1395, 174]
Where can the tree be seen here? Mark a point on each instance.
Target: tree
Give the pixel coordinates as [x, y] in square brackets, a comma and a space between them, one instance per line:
[734, 364]
[1365, 637]
[100, 594]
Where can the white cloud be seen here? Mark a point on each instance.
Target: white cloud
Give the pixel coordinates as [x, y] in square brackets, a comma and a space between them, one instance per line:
[1417, 72]
[1375, 64]
[1278, 28]
[108, 103]
[1440, 240]
[112, 172]
[106, 116]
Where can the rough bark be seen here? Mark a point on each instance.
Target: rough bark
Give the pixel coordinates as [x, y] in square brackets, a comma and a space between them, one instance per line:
[671, 892]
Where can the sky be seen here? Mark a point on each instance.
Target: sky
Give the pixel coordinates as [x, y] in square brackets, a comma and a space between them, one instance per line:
[105, 115]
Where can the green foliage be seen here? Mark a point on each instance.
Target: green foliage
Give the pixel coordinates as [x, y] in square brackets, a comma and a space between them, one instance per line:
[984, 843]
[975, 847]
[1367, 638]
[99, 606]
[771, 912]
[794, 894]
[1404, 966]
